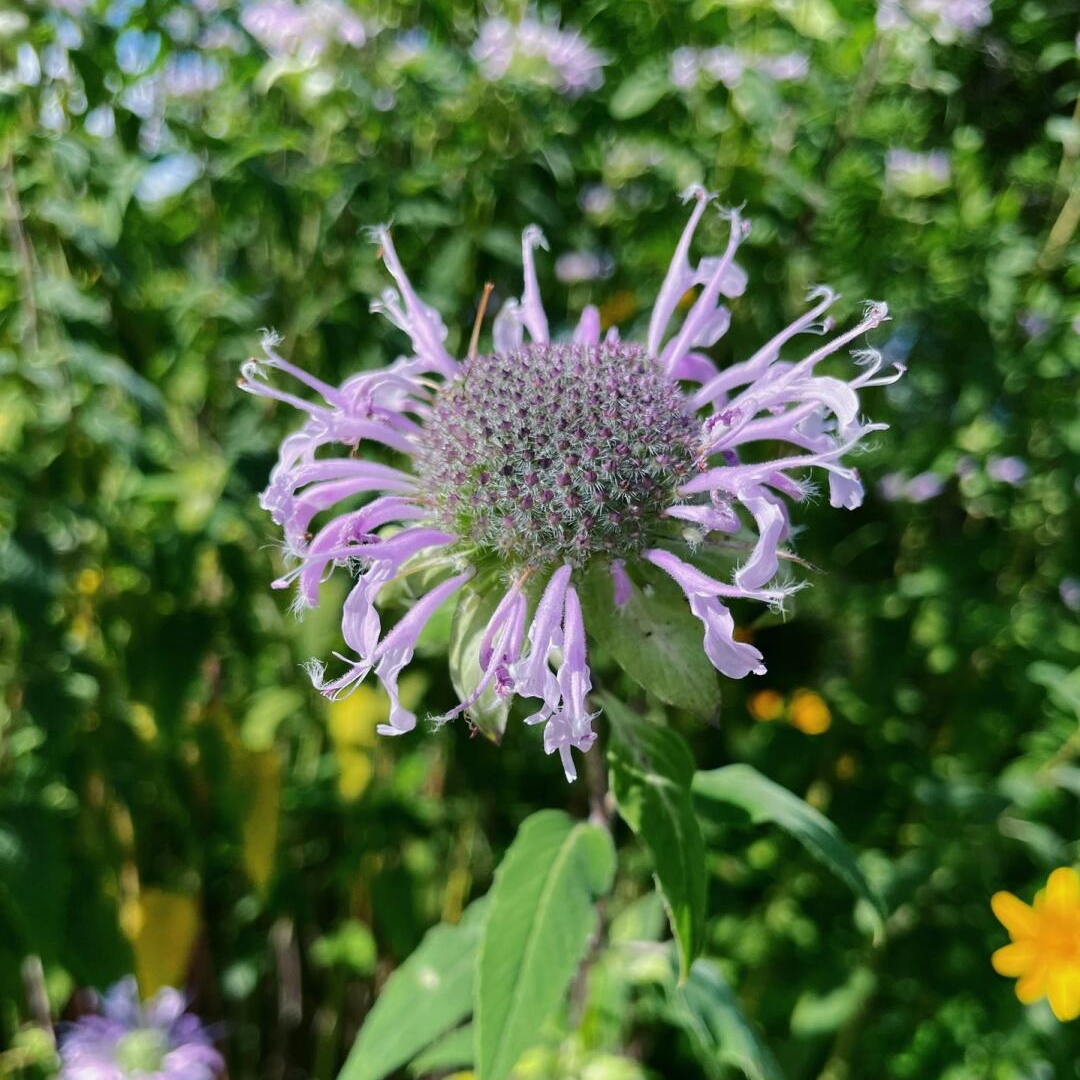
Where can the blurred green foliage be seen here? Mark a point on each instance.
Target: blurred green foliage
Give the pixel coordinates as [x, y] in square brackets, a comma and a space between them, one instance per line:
[175, 800]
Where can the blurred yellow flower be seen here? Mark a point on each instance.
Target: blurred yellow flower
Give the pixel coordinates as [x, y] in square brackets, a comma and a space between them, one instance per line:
[162, 930]
[352, 722]
[766, 705]
[1044, 954]
[618, 309]
[809, 713]
[142, 720]
[846, 766]
[260, 826]
[89, 580]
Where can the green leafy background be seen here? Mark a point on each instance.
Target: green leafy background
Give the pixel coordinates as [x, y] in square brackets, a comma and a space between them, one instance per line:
[176, 801]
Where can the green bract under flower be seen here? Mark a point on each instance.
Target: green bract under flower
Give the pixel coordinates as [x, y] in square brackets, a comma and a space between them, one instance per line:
[555, 453]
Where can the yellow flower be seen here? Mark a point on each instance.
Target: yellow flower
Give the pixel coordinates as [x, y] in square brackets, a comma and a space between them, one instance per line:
[1044, 955]
[766, 705]
[809, 713]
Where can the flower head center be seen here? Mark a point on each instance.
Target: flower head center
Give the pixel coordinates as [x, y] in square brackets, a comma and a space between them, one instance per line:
[1058, 935]
[556, 452]
[141, 1051]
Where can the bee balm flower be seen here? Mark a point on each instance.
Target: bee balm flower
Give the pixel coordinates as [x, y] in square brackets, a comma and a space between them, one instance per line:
[1044, 954]
[520, 470]
[538, 52]
[158, 1040]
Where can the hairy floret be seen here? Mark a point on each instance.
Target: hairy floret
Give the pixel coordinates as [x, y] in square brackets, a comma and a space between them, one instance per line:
[555, 453]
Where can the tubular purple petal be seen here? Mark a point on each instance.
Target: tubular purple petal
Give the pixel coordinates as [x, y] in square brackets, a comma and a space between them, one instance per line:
[680, 275]
[532, 307]
[587, 331]
[419, 320]
[532, 675]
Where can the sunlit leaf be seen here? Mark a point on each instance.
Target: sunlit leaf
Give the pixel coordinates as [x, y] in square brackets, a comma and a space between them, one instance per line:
[640, 91]
[428, 995]
[708, 1010]
[542, 914]
[743, 787]
[651, 773]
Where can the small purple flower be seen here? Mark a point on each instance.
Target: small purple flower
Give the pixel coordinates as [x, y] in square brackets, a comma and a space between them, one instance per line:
[724, 65]
[304, 31]
[946, 20]
[70, 7]
[598, 199]
[1007, 470]
[190, 74]
[1033, 323]
[917, 174]
[685, 68]
[538, 52]
[155, 1040]
[924, 487]
[576, 266]
[519, 471]
[895, 487]
[892, 487]
[1069, 589]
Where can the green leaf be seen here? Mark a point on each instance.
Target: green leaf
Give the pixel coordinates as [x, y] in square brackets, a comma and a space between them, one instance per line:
[706, 1008]
[423, 999]
[453, 1051]
[651, 775]
[539, 924]
[1063, 684]
[811, 18]
[489, 711]
[655, 640]
[640, 92]
[764, 800]
[267, 710]
[350, 946]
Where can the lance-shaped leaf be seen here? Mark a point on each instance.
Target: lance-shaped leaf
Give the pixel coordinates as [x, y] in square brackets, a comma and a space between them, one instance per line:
[425, 997]
[706, 1008]
[651, 775]
[541, 918]
[744, 787]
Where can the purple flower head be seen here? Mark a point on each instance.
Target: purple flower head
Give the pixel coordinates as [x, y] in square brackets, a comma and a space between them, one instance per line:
[1007, 470]
[303, 31]
[190, 74]
[518, 472]
[1069, 590]
[70, 7]
[1033, 323]
[917, 174]
[576, 266]
[924, 487]
[129, 1039]
[538, 52]
[721, 64]
[946, 20]
[895, 487]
